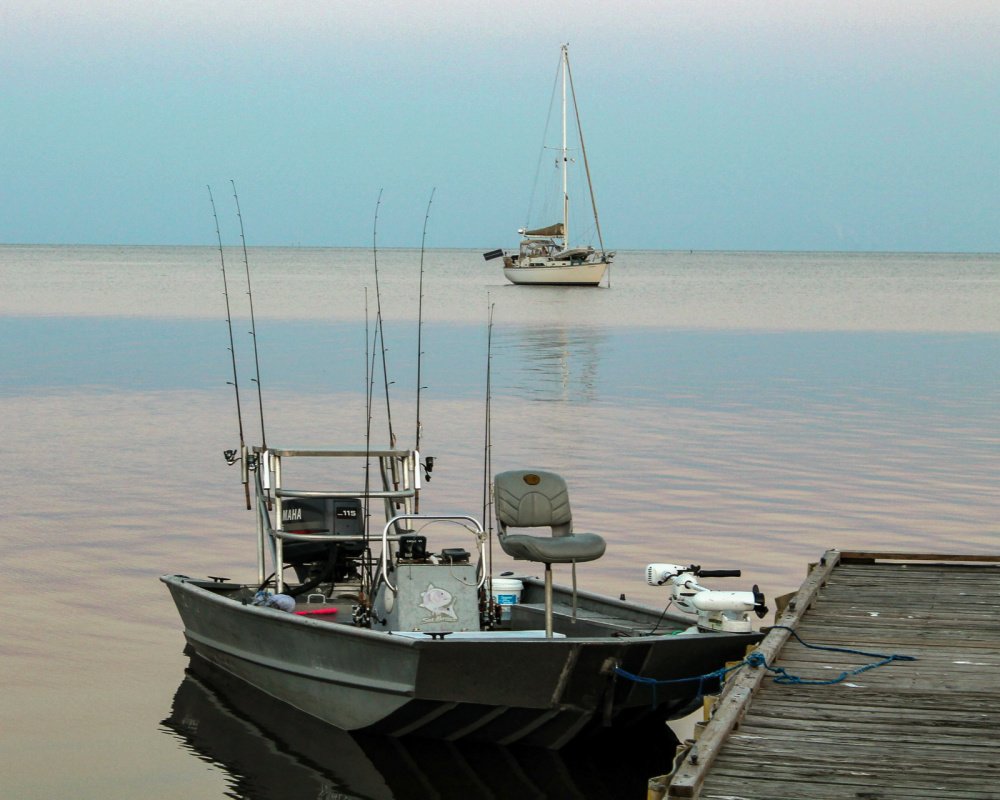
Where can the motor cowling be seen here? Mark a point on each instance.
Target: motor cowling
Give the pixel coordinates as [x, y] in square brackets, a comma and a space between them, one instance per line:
[322, 516]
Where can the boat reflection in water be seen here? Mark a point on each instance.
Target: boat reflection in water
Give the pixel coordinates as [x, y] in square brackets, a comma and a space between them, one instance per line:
[271, 750]
[553, 363]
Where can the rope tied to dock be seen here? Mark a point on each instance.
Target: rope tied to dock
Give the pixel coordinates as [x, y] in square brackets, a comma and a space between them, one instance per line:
[781, 675]
[718, 674]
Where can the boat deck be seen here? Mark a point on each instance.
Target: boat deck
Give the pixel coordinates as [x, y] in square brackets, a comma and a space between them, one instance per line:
[588, 622]
[923, 728]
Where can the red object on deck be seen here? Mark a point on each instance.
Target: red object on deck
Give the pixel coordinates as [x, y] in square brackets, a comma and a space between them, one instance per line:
[316, 612]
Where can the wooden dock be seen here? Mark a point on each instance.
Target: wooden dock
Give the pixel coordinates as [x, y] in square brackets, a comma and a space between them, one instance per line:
[928, 728]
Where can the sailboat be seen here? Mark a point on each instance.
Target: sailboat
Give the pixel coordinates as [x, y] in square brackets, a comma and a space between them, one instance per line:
[546, 255]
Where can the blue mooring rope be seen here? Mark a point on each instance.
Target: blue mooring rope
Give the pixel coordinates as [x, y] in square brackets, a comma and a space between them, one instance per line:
[756, 659]
[781, 675]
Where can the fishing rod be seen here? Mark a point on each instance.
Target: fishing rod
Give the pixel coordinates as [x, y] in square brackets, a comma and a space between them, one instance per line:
[429, 463]
[367, 575]
[369, 390]
[379, 342]
[379, 330]
[420, 317]
[488, 444]
[231, 454]
[253, 325]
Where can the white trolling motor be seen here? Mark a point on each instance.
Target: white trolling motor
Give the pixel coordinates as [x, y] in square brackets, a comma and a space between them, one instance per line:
[716, 611]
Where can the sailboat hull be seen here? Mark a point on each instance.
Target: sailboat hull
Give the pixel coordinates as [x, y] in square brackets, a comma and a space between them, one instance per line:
[590, 273]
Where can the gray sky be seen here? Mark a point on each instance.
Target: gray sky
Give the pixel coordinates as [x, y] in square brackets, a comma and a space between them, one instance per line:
[774, 125]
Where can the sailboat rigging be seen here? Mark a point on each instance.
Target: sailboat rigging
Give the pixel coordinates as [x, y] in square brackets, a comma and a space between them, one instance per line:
[546, 255]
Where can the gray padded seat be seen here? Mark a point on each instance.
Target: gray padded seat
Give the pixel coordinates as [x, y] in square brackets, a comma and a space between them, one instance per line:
[533, 499]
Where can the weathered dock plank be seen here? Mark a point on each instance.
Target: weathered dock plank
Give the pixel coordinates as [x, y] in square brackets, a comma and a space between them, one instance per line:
[928, 728]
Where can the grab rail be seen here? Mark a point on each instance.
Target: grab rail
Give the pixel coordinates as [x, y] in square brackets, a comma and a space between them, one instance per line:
[479, 532]
[398, 494]
[401, 465]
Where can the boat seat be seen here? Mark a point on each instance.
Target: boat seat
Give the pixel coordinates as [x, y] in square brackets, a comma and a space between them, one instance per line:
[539, 499]
[536, 499]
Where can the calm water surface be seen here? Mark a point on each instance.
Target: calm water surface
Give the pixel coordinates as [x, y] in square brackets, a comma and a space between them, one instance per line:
[729, 409]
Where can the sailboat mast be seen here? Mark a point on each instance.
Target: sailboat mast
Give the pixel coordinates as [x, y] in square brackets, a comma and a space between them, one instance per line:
[565, 188]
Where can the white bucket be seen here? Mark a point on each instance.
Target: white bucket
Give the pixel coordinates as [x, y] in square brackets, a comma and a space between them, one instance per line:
[506, 594]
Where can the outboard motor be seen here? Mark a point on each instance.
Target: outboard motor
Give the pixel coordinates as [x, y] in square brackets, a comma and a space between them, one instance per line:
[321, 562]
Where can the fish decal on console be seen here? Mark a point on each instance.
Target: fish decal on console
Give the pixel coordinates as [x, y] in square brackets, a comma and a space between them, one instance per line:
[439, 603]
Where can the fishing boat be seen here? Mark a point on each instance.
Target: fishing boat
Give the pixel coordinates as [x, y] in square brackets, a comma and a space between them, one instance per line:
[373, 615]
[405, 631]
[547, 255]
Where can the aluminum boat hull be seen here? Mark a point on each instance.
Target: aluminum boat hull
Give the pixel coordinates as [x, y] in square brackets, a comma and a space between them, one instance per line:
[498, 688]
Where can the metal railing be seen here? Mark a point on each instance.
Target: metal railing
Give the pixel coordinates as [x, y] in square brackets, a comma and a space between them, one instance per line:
[477, 531]
[398, 473]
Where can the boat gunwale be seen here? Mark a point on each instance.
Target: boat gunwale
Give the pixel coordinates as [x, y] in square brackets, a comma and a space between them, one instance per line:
[189, 584]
